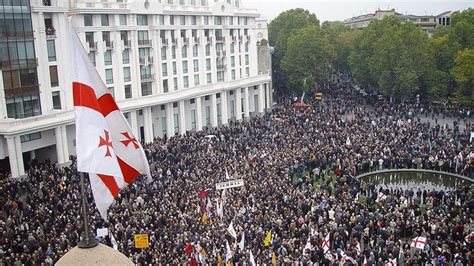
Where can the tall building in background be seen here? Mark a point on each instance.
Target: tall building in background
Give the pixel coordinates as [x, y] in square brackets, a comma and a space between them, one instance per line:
[172, 65]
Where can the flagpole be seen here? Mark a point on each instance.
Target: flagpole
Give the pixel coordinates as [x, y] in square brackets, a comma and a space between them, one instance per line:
[88, 239]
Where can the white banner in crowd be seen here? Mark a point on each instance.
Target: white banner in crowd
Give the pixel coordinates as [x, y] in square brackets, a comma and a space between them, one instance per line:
[102, 232]
[230, 184]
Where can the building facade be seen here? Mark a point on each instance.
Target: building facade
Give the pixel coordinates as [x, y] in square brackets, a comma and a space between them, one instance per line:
[427, 23]
[172, 65]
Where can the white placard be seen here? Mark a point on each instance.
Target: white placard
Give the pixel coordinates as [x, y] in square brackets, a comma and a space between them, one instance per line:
[230, 184]
[102, 232]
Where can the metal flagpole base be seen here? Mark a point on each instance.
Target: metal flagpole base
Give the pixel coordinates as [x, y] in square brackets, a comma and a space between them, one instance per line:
[87, 242]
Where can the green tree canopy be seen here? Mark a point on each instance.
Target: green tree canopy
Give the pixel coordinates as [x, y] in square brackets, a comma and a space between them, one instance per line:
[463, 72]
[306, 59]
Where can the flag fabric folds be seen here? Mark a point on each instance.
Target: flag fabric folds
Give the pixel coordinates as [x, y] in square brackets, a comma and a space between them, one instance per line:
[105, 145]
[418, 242]
[228, 254]
[268, 238]
[252, 259]
[242, 242]
[231, 230]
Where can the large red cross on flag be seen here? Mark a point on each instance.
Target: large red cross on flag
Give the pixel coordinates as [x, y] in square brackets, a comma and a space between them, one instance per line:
[419, 242]
[326, 244]
[105, 145]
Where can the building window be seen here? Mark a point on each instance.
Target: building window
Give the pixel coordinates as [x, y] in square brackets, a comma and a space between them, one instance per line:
[165, 86]
[164, 69]
[92, 57]
[146, 88]
[193, 120]
[182, 20]
[185, 67]
[219, 113]
[171, 20]
[142, 20]
[184, 52]
[53, 75]
[176, 123]
[111, 91]
[30, 137]
[247, 59]
[161, 19]
[173, 52]
[195, 51]
[233, 74]
[196, 80]
[88, 20]
[220, 76]
[196, 65]
[206, 20]
[126, 74]
[163, 53]
[104, 20]
[123, 19]
[186, 82]
[128, 91]
[174, 68]
[109, 77]
[175, 84]
[232, 48]
[193, 20]
[232, 61]
[217, 20]
[209, 78]
[247, 71]
[126, 56]
[208, 64]
[208, 116]
[51, 50]
[56, 100]
[108, 58]
[232, 109]
[246, 47]
[208, 50]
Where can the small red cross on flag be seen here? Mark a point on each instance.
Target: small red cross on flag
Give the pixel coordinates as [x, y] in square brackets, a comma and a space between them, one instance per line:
[101, 127]
[106, 142]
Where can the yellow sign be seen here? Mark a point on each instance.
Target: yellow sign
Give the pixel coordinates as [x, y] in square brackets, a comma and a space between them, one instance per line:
[141, 240]
[318, 96]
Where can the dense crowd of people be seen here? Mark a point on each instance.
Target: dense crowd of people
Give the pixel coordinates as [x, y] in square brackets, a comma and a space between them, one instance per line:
[298, 166]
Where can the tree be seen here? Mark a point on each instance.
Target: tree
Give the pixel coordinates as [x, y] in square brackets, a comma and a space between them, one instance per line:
[306, 59]
[341, 40]
[463, 72]
[279, 30]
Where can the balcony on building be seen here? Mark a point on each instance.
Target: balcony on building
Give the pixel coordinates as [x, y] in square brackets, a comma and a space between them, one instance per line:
[109, 45]
[241, 38]
[220, 39]
[50, 33]
[147, 77]
[164, 42]
[145, 61]
[247, 37]
[220, 54]
[127, 43]
[234, 38]
[144, 43]
[221, 67]
[92, 46]
[186, 41]
[196, 40]
[209, 39]
[19, 63]
[174, 41]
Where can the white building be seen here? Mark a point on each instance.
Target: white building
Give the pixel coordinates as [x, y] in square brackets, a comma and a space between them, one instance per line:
[172, 65]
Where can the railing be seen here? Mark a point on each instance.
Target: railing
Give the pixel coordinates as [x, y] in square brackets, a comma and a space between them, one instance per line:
[247, 37]
[14, 34]
[93, 46]
[174, 41]
[15, 64]
[196, 40]
[234, 38]
[18, 91]
[209, 40]
[109, 45]
[50, 33]
[164, 42]
[241, 38]
[147, 77]
[144, 43]
[221, 67]
[127, 43]
[145, 61]
[220, 53]
[220, 39]
[186, 41]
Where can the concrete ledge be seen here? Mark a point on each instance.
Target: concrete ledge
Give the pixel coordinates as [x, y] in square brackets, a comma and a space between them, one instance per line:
[406, 170]
[99, 255]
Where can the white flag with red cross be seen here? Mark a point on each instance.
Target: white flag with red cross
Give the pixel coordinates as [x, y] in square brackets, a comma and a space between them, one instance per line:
[419, 242]
[105, 145]
[326, 244]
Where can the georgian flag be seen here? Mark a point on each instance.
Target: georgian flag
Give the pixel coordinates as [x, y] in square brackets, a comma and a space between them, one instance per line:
[105, 145]
[419, 242]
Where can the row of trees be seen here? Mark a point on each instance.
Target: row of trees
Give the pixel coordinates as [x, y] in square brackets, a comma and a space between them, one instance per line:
[395, 59]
